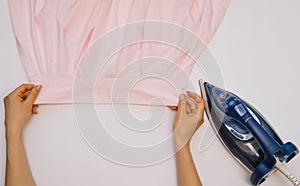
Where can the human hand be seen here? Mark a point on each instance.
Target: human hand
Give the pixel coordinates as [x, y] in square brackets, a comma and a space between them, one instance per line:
[188, 119]
[19, 106]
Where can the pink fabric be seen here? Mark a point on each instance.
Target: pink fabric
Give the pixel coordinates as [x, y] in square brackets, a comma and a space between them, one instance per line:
[54, 35]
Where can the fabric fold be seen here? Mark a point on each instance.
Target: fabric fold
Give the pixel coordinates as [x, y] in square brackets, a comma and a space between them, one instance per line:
[54, 37]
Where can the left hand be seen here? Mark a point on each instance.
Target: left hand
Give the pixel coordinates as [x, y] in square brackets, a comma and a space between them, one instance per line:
[19, 106]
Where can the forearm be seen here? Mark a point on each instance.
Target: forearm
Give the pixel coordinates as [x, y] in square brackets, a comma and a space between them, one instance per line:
[17, 168]
[186, 170]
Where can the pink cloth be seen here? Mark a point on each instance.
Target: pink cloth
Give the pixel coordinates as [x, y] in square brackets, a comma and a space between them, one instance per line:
[53, 37]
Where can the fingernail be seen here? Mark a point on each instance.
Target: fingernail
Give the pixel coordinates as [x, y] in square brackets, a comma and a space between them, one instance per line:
[38, 87]
[181, 97]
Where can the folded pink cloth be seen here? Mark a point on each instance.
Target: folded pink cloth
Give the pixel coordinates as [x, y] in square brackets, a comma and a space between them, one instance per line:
[55, 36]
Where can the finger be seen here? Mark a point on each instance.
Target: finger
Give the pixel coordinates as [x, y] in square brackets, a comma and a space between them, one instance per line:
[194, 95]
[188, 108]
[201, 112]
[25, 95]
[182, 106]
[191, 103]
[33, 94]
[34, 110]
[23, 88]
[201, 104]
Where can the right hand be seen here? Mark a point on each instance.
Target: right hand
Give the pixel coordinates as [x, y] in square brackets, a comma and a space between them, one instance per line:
[188, 119]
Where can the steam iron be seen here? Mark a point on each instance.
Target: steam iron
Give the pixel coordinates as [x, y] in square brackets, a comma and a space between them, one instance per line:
[247, 134]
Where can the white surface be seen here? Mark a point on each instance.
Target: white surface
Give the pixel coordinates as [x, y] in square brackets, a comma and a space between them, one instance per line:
[257, 47]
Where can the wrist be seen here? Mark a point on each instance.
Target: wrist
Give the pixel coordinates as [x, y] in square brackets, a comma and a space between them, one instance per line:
[182, 136]
[183, 153]
[12, 133]
[12, 137]
[181, 145]
[185, 148]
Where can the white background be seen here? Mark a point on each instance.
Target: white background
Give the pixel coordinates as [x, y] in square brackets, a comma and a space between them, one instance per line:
[258, 50]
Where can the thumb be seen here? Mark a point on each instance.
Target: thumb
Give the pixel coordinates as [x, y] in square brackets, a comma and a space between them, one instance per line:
[33, 94]
[181, 106]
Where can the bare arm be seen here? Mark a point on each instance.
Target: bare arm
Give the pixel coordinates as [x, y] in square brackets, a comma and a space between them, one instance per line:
[188, 119]
[17, 169]
[18, 109]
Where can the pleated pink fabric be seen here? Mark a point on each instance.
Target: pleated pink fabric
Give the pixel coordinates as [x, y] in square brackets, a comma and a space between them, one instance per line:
[53, 36]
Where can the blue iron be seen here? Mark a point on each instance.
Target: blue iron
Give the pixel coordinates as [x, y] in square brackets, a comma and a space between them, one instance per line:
[247, 134]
